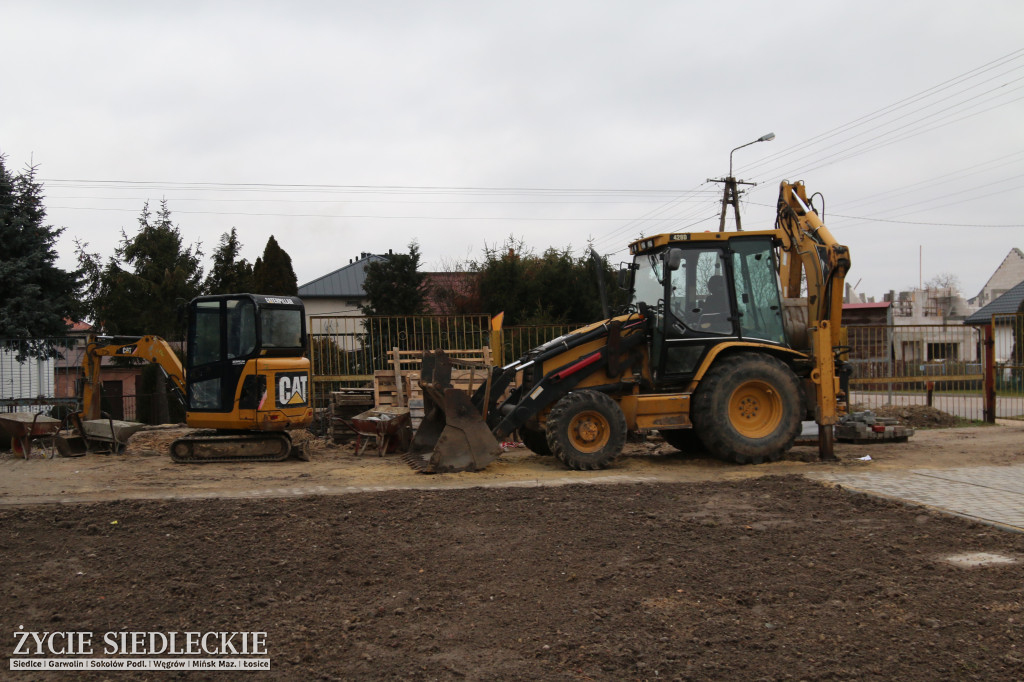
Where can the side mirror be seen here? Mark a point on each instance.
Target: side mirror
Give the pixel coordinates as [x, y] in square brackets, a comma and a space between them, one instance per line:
[625, 275]
[672, 258]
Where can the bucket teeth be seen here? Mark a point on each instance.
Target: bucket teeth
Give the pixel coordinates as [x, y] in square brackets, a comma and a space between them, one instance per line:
[417, 462]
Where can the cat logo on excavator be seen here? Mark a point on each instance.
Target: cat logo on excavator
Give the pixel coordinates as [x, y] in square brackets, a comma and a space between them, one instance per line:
[291, 389]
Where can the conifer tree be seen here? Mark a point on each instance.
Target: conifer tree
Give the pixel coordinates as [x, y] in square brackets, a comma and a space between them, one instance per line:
[394, 286]
[229, 274]
[39, 299]
[272, 273]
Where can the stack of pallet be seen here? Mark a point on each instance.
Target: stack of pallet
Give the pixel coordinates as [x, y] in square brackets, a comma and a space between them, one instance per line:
[399, 386]
[346, 404]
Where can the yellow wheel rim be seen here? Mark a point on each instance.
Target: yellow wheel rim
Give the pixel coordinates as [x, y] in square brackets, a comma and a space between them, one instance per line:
[755, 409]
[589, 431]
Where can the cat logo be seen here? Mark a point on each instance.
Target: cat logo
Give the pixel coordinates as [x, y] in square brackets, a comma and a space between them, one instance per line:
[291, 389]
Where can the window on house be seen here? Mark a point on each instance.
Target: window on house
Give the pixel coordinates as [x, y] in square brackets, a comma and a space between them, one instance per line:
[943, 351]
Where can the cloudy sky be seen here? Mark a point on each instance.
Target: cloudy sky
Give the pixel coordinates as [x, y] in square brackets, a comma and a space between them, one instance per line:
[345, 127]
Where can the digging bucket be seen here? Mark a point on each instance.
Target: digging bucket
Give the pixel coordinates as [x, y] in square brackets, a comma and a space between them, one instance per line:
[453, 435]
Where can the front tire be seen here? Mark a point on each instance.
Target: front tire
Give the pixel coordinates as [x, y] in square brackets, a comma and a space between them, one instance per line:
[747, 408]
[586, 430]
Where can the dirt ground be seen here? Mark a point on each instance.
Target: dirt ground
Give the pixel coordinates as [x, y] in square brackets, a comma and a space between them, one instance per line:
[680, 568]
[146, 472]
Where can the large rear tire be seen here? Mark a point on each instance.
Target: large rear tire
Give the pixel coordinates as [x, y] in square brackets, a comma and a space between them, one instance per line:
[747, 408]
[586, 430]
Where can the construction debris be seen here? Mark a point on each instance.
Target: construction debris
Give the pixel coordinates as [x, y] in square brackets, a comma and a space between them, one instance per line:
[867, 427]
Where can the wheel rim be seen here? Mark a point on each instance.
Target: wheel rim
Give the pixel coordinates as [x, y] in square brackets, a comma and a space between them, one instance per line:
[755, 409]
[589, 431]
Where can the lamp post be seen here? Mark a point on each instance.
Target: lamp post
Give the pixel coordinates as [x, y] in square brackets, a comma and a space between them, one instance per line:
[731, 195]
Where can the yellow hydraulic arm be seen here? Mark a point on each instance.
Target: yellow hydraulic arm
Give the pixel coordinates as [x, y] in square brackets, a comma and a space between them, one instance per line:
[150, 348]
[811, 255]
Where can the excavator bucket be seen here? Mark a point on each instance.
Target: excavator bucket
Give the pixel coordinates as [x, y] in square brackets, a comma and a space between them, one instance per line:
[453, 435]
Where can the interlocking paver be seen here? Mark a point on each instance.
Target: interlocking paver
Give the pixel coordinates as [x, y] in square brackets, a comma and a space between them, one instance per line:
[991, 494]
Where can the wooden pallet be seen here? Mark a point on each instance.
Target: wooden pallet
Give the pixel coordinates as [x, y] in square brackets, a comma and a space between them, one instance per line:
[399, 386]
[345, 404]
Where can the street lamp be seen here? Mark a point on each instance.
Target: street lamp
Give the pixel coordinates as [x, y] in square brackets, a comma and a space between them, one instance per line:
[731, 195]
[764, 138]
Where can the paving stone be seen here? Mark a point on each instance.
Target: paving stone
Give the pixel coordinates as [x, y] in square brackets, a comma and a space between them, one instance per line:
[991, 494]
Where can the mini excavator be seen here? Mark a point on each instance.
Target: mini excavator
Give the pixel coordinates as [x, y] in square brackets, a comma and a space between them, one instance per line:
[246, 380]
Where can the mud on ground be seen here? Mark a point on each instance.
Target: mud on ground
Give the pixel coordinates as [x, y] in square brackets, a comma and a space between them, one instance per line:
[770, 578]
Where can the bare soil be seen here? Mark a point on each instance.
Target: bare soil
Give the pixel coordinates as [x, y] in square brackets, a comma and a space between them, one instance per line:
[919, 416]
[679, 567]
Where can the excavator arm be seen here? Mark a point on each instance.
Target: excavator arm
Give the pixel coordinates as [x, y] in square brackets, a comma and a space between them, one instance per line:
[150, 348]
[811, 255]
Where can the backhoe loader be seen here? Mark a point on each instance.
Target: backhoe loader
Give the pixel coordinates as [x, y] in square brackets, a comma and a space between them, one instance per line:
[245, 377]
[729, 341]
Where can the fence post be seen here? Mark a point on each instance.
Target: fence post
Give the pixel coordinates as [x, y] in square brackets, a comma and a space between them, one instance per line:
[989, 383]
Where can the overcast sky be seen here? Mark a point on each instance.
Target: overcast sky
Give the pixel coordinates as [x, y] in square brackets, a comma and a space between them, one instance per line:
[344, 127]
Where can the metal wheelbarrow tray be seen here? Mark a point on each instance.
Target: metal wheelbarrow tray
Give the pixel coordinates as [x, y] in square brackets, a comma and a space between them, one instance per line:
[388, 425]
[25, 426]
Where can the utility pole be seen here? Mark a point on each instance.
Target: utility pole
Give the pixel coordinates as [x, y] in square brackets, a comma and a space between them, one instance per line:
[731, 194]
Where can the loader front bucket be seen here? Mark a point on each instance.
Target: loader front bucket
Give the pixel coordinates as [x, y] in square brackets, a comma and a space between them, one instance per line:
[453, 435]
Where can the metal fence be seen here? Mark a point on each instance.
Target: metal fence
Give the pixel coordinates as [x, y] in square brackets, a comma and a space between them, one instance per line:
[948, 367]
[346, 350]
[516, 341]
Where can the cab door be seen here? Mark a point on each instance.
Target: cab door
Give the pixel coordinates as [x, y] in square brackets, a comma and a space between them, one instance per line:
[222, 337]
[699, 311]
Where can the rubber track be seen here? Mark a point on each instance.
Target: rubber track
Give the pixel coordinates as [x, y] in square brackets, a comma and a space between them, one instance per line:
[229, 458]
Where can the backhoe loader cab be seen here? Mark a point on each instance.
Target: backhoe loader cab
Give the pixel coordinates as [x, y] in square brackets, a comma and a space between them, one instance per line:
[699, 291]
[729, 342]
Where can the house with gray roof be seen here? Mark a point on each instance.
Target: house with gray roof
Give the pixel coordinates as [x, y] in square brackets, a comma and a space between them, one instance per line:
[1001, 310]
[339, 292]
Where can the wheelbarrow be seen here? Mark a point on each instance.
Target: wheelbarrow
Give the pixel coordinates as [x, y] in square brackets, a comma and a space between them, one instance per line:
[24, 427]
[391, 427]
[109, 434]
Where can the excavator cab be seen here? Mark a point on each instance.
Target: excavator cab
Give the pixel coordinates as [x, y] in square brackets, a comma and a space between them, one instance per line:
[244, 366]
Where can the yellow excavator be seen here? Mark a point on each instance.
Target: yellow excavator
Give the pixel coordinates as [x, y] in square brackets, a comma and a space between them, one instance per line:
[730, 340]
[246, 380]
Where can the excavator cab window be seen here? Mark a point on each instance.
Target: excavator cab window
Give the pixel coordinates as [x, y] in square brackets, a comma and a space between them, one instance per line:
[282, 327]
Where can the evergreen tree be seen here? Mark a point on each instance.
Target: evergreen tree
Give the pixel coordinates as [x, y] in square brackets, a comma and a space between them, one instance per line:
[229, 274]
[394, 286]
[39, 298]
[144, 287]
[273, 273]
